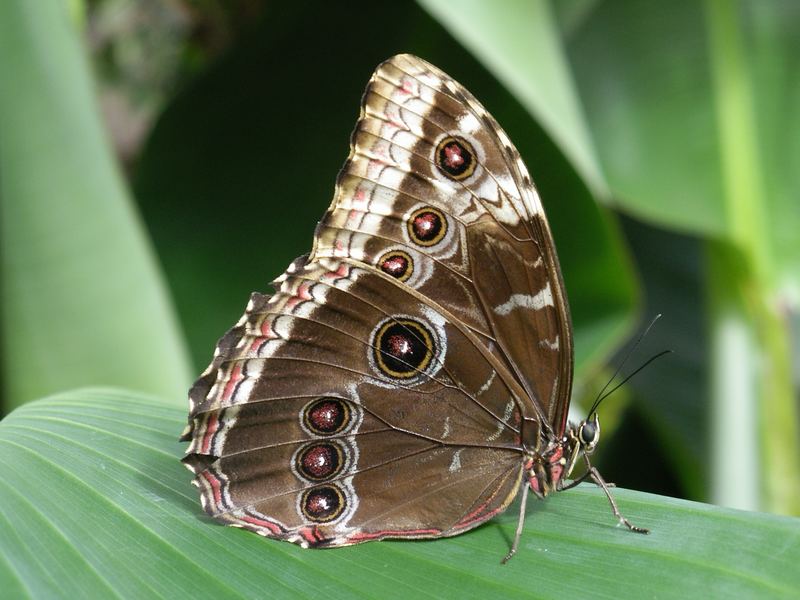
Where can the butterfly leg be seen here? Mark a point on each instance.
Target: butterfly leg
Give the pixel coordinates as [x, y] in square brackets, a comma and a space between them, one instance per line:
[576, 482]
[594, 474]
[515, 544]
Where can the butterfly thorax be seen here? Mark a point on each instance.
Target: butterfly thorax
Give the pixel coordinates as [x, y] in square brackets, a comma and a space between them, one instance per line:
[547, 470]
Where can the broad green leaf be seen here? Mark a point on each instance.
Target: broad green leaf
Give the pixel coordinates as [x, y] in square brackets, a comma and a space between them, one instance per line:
[519, 42]
[83, 299]
[670, 102]
[94, 503]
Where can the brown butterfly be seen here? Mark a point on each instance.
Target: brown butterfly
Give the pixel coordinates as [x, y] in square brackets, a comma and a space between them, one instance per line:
[413, 372]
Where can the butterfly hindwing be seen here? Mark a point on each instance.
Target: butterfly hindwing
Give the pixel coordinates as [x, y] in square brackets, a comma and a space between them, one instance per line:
[311, 398]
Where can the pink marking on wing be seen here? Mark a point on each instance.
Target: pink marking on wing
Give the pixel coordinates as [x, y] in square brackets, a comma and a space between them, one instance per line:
[215, 487]
[211, 428]
[478, 515]
[407, 88]
[261, 523]
[301, 295]
[266, 329]
[309, 534]
[257, 344]
[374, 168]
[234, 378]
[389, 128]
[341, 272]
[362, 537]
[360, 200]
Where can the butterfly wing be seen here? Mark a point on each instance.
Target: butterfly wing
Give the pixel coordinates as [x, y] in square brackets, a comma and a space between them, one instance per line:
[317, 424]
[381, 391]
[435, 194]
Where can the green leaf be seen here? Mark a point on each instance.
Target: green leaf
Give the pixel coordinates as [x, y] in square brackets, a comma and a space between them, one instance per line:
[521, 45]
[94, 503]
[83, 299]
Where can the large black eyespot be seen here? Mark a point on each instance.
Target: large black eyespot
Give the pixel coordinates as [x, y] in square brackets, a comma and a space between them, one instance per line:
[455, 158]
[326, 416]
[427, 226]
[323, 503]
[396, 263]
[402, 348]
[319, 461]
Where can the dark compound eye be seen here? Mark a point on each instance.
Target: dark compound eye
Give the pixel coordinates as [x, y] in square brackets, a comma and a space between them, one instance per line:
[588, 433]
[326, 416]
[455, 158]
[427, 226]
[320, 461]
[396, 263]
[322, 504]
[402, 348]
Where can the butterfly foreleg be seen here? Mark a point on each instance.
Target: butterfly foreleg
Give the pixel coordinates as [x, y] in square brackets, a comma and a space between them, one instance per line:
[594, 475]
[567, 486]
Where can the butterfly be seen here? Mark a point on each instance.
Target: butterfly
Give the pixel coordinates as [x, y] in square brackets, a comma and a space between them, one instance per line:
[413, 372]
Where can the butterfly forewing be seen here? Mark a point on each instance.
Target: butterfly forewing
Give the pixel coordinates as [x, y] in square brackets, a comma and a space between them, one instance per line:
[382, 390]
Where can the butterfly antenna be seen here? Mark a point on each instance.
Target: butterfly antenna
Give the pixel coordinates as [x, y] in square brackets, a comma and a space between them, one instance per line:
[602, 394]
[626, 380]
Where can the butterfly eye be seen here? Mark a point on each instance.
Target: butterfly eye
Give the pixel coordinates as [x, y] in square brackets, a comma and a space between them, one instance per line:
[455, 158]
[402, 348]
[588, 434]
[427, 226]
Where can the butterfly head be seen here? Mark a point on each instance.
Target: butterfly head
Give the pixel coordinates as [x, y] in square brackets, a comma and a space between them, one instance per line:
[588, 433]
[581, 439]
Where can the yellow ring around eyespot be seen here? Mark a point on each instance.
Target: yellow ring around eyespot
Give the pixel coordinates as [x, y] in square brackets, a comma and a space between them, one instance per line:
[467, 146]
[405, 276]
[423, 335]
[439, 237]
[327, 519]
[310, 425]
[307, 448]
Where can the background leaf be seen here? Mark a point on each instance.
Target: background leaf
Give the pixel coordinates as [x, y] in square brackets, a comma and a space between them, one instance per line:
[83, 299]
[100, 505]
[686, 104]
[521, 45]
